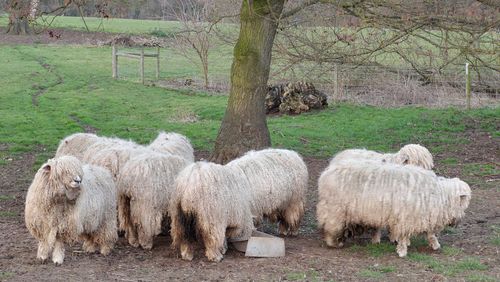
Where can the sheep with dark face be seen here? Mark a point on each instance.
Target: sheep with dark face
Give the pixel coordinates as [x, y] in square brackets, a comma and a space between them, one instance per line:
[67, 202]
[408, 200]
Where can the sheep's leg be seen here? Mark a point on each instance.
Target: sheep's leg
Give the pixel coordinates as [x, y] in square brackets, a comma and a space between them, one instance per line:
[123, 212]
[145, 237]
[108, 236]
[46, 246]
[433, 241]
[43, 251]
[88, 244]
[214, 244]
[333, 233]
[402, 248]
[58, 253]
[291, 219]
[131, 235]
[376, 235]
[187, 252]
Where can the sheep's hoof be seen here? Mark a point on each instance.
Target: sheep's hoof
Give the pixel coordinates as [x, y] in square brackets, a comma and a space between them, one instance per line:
[216, 258]
[186, 253]
[147, 246]
[88, 247]
[187, 256]
[58, 261]
[402, 253]
[435, 246]
[105, 250]
[41, 260]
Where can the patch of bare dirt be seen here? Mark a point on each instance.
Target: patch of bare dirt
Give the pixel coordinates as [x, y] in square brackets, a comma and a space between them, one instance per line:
[306, 256]
[57, 36]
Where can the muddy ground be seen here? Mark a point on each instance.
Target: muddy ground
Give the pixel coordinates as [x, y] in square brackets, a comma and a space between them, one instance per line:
[306, 256]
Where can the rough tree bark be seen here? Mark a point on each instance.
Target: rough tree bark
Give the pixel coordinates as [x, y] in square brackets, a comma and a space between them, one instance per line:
[244, 125]
[19, 13]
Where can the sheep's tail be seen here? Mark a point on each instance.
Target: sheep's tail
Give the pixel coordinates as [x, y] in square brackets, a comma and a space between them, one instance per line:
[183, 227]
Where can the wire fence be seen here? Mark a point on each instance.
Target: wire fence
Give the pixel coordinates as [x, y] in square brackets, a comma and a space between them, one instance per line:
[392, 87]
[369, 85]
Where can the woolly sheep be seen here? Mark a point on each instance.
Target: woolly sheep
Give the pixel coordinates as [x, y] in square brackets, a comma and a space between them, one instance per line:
[278, 182]
[413, 154]
[85, 145]
[68, 202]
[145, 186]
[76, 144]
[115, 157]
[173, 143]
[409, 154]
[371, 194]
[210, 202]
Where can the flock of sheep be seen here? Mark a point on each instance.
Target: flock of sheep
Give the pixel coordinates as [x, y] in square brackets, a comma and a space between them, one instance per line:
[96, 186]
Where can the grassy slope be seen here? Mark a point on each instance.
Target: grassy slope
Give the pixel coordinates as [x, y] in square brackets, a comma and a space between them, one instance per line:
[130, 110]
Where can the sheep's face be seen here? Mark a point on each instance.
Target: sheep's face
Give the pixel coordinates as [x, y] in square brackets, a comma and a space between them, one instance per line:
[65, 175]
[72, 188]
[461, 198]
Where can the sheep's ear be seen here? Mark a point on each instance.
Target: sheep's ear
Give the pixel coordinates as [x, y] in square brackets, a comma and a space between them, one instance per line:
[405, 158]
[47, 168]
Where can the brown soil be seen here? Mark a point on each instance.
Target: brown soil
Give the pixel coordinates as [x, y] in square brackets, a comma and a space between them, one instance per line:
[56, 36]
[306, 256]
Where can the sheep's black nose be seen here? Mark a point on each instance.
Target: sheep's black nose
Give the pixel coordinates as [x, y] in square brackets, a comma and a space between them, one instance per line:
[78, 181]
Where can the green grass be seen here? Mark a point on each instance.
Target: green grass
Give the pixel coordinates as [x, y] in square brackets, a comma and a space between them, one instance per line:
[449, 268]
[451, 251]
[376, 272]
[5, 275]
[88, 96]
[114, 25]
[479, 169]
[479, 277]
[7, 214]
[6, 197]
[367, 273]
[311, 275]
[495, 238]
[374, 250]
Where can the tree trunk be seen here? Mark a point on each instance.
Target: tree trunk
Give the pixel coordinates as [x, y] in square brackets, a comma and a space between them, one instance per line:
[244, 125]
[19, 12]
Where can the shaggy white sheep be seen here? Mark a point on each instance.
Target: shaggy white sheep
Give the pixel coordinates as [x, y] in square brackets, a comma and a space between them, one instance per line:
[210, 202]
[413, 154]
[145, 186]
[76, 144]
[68, 202]
[408, 200]
[86, 145]
[278, 182]
[410, 154]
[114, 157]
[173, 143]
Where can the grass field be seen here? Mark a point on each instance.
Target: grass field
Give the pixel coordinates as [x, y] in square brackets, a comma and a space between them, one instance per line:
[72, 91]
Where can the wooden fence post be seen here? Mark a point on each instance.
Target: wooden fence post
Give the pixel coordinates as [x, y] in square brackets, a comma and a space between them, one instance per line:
[467, 85]
[142, 65]
[335, 84]
[114, 62]
[157, 63]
